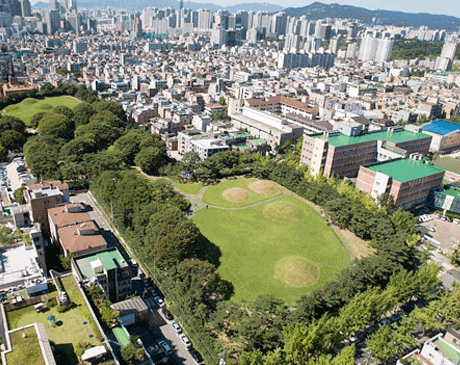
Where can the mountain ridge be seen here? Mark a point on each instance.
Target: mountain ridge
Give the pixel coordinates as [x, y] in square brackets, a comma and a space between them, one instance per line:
[318, 10]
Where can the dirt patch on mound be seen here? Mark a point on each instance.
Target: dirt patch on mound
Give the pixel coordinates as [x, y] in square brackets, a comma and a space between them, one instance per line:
[296, 272]
[262, 187]
[282, 212]
[235, 195]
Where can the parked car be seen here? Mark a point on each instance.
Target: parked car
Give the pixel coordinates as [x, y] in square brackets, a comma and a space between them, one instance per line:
[196, 356]
[167, 314]
[185, 340]
[176, 327]
[431, 229]
[166, 348]
[153, 349]
[159, 301]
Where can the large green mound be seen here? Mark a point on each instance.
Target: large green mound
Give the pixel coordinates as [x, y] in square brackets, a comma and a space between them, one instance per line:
[235, 195]
[296, 272]
[282, 212]
[26, 109]
[240, 192]
[281, 247]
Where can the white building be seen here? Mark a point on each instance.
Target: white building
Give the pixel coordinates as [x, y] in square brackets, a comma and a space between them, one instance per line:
[375, 49]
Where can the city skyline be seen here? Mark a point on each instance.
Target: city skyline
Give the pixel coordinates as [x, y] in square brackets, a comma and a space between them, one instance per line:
[410, 6]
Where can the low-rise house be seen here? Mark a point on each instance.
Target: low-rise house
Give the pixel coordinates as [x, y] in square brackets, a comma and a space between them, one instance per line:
[81, 239]
[66, 215]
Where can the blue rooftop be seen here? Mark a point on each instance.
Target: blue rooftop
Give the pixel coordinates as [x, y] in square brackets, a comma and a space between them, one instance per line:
[441, 127]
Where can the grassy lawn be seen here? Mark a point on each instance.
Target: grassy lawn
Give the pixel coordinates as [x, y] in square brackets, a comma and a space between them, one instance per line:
[187, 188]
[26, 109]
[237, 193]
[69, 330]
[283, 247]
[25, 350]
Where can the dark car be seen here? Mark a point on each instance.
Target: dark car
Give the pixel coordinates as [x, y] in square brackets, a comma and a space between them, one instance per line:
[196, 356]
[167, 314]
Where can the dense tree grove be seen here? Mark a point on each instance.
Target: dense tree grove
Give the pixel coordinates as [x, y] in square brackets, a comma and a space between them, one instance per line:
[409, 49]
[13, 134]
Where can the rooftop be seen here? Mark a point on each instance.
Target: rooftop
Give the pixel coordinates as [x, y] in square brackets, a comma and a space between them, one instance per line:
[17, 264]
[448, 351]
[394, 137]
[442, 127]
[405, 170]
[78, 238]
[110, 260]
[448, 163]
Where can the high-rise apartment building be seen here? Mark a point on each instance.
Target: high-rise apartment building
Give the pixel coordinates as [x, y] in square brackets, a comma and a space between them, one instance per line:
[52, 20]
[445, 61]
[376, 49]
[25, 8]
[205, 19]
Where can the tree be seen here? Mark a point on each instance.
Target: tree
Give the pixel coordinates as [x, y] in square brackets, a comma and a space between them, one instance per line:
[171, 237]
[132, 352]
[222, 101]
[56, 126]
[12, 140]
[382, 344]
[111, 106]
[3, 152]
[83, 113]
[8, 122]
[340, 211]
[150, 159]
[19, 195]
[64, 110]
[42, 156]
[37, 117]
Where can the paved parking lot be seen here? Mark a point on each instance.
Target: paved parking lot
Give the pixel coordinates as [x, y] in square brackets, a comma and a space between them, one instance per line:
[448, 233]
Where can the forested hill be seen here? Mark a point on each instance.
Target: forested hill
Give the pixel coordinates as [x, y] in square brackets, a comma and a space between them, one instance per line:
[319, 10]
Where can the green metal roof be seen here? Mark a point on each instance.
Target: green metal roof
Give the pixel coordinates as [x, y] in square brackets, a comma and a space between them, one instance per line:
[449, 164]
[395, 137]
[405, 170]
[121, 335]
[452, 192]
[448, 351]
[109, 259]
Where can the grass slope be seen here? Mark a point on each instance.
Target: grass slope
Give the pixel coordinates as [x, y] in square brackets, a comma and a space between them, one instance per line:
[187, 188]
[214, 194]
[253, 245]
[26, 109]
[71, 331]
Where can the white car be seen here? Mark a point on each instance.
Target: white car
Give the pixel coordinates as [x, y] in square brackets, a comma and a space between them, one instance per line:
[176, 327]
[431, 229]
[159, 301]
[185, 340]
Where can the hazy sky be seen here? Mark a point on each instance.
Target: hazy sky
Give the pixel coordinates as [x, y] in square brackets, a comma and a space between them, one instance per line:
[447, 7]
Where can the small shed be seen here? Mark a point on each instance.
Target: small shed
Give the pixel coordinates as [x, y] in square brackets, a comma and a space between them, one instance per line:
[94, 355]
